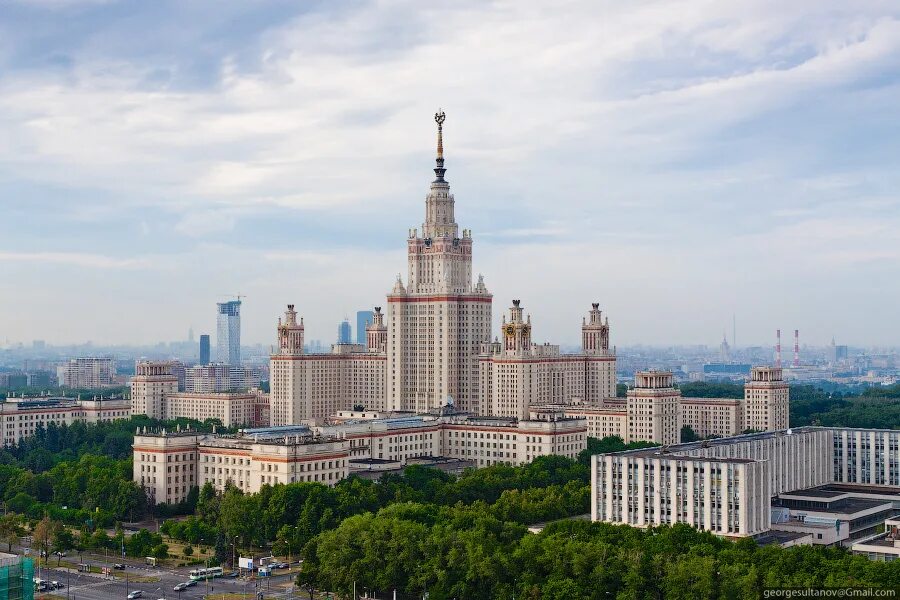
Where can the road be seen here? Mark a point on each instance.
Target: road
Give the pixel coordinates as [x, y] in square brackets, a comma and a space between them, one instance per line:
[99, 587]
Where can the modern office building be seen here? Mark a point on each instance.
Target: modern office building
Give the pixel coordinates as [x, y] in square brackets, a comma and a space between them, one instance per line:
[728, 485]
[87, 373]
[228, 332]
[364, 318]
[204, 349]
[21, 416]
[345, 333]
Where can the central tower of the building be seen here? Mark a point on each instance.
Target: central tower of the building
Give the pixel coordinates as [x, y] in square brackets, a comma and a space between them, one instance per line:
[439, 319]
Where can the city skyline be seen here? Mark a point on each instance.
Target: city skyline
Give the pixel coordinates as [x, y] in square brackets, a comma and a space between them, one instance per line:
[739, 163]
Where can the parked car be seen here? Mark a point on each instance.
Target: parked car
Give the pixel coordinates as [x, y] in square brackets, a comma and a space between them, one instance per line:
[179, 586]
[119, 566]
[135, 595]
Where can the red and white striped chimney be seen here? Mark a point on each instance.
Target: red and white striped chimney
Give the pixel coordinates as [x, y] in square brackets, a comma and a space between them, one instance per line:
[796, 347]
[777, 347]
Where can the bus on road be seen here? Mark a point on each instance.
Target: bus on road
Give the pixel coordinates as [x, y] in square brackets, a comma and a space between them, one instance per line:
[201, 574]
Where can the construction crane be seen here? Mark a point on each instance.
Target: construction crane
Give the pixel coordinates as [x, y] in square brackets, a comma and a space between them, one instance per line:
[238, 296]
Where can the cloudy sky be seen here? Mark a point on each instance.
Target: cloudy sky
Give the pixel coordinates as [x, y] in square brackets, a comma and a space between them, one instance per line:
[677, 161]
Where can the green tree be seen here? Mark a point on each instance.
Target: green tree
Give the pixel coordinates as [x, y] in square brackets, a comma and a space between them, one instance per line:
[11, 530]
[688, 434]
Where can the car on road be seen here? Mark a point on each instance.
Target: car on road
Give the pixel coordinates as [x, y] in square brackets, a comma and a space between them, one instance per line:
[58, 553]
[56, 585]
[283, 565]
[180, 586]
[191, 582]
[119, 566]
[232, 574]
[135, 595]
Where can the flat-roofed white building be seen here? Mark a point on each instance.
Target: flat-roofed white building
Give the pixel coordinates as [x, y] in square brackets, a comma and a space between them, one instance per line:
[231, 408]
[755, 467]
[720, 417]
[20, 416]
[167, 464]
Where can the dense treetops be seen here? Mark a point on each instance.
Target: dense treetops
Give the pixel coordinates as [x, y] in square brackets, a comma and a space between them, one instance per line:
[873, 407]
[470, 552]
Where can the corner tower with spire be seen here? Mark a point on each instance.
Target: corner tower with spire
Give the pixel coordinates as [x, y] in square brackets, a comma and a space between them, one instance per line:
[439, 318]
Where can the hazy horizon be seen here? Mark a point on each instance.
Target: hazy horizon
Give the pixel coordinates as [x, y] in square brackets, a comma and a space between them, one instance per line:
[676, 162]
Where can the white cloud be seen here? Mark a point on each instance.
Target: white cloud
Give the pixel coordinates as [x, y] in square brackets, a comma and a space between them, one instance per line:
[648, 145]
[91, 261]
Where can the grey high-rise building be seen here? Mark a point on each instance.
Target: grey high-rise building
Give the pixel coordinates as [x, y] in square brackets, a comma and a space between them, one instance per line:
[204, 349]
[228, 334]
[363, 318]
[345, 334]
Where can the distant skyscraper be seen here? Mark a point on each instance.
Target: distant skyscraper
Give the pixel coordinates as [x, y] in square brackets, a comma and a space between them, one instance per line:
[345, 334]
[363, 318]
[228, 334]
[191, 334]
[204, 349]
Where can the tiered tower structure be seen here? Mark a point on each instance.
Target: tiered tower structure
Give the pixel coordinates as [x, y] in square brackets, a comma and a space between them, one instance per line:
[654, 408]
[376, 332]
[290, 333]
[153, 381]
[517, 375]
[595, 332]
[439, 319]
[766, 399]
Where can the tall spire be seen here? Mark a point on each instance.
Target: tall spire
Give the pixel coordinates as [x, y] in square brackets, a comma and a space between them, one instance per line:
[439, 170]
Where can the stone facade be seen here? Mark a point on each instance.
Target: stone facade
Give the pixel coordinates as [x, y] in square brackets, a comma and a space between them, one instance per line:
[516, 374]
[20, 417]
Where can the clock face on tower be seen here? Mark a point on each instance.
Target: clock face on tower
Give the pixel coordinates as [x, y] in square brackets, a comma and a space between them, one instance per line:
[510, 330]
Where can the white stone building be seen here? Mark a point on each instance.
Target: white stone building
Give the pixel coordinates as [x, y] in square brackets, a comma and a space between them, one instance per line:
[316, 386]
[20, 417]
[654, 408]
[152, 382]
[516, 374]
[727, 485]
[168, 464]
[766, 398]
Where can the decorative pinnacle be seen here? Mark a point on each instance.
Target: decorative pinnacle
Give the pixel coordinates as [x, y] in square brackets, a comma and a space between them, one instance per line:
[439, 118]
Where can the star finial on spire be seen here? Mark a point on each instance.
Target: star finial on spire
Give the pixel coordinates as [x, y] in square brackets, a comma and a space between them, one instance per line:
[439, 118]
